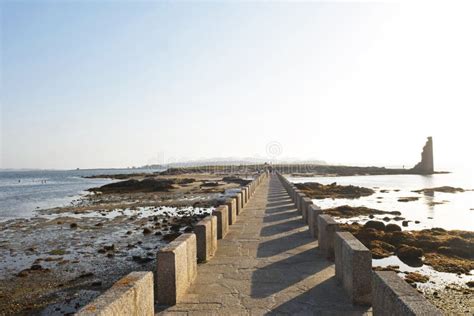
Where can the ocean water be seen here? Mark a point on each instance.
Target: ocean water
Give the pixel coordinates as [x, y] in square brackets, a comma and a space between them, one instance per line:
[445, 210]
[24, 192]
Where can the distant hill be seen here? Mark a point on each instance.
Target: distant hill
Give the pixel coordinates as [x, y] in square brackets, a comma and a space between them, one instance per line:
[232, 162]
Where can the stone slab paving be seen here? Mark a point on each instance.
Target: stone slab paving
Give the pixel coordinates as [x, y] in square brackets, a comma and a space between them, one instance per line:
[268, 264]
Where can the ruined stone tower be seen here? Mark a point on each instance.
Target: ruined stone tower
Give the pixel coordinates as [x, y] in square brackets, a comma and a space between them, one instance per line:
[426, 165]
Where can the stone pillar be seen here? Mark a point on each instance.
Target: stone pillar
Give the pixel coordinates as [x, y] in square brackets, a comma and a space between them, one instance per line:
[232, 207]
[298, 201]
[176, 269]
[353, 267]
[245, 195]
[301, 197]
[206, 236]
[392, 296]
[238, 203]
[327, 227]
[222, 214]
[307, 202]
[313, 212]
[131, 295]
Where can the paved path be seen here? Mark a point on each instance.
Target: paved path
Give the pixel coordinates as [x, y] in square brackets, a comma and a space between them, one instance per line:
[267, 264]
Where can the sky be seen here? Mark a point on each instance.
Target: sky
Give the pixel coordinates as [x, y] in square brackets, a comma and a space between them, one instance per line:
[97, 84]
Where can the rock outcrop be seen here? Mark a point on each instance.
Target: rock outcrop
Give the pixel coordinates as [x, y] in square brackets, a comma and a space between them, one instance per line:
[426, 165]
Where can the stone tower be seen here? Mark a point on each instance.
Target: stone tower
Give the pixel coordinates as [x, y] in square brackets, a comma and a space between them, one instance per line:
[426, 165]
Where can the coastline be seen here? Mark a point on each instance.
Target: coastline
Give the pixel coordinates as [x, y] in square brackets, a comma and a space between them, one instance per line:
[120, 231]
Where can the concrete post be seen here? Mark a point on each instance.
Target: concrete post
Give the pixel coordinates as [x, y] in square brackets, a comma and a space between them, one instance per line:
[327, 227]
[301, 197]
[206, 237]
[232, 208]
[298, 201]
[242, 199]
[392, 296]
[176, 269]
[238, 203]
[307, 202]
[245, 197]
[313, 212]
[222, 214]
[131, 295]
[354, 267]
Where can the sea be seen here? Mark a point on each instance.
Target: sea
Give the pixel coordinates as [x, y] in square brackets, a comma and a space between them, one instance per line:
[24, 192]
[445, 210]
[450, 211]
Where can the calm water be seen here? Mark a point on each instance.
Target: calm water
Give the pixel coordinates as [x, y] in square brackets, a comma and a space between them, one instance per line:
[454, 212]
[23, 192]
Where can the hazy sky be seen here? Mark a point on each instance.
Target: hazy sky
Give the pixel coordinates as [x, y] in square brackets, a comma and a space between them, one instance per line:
[116, 84]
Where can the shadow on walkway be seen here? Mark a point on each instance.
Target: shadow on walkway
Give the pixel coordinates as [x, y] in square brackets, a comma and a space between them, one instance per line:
[279, 216]
[289, 225]
[290, 268]
[323, 299]
[282, 274]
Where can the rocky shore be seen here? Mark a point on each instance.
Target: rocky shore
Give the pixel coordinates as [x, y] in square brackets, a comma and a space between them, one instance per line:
[334, 191]
[438, 262]
[58, 261]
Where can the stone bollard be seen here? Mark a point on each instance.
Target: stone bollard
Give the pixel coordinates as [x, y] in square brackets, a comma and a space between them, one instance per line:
[131, 295]
[392, 296]
[298, 201]
[232, 208]
[295, 197]
[222, 214]
[307, 202]
[327, 226]
[245, 196]
[313, 212]
[353, 263]
[176, 269]
[206, 238]
[301, 197]
[242, 199]
[238, 203]
[291, 190]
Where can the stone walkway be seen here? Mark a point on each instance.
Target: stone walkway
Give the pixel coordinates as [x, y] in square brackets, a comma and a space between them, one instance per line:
[267, 264]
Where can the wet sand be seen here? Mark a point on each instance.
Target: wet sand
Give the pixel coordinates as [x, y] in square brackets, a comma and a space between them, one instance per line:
[61, 259]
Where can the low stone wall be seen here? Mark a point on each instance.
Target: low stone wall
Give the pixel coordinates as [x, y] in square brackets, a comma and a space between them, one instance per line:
[131, 295]
[176, 268]
[393, 296]
[206, 238]
[353, 263]
[177, 261]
